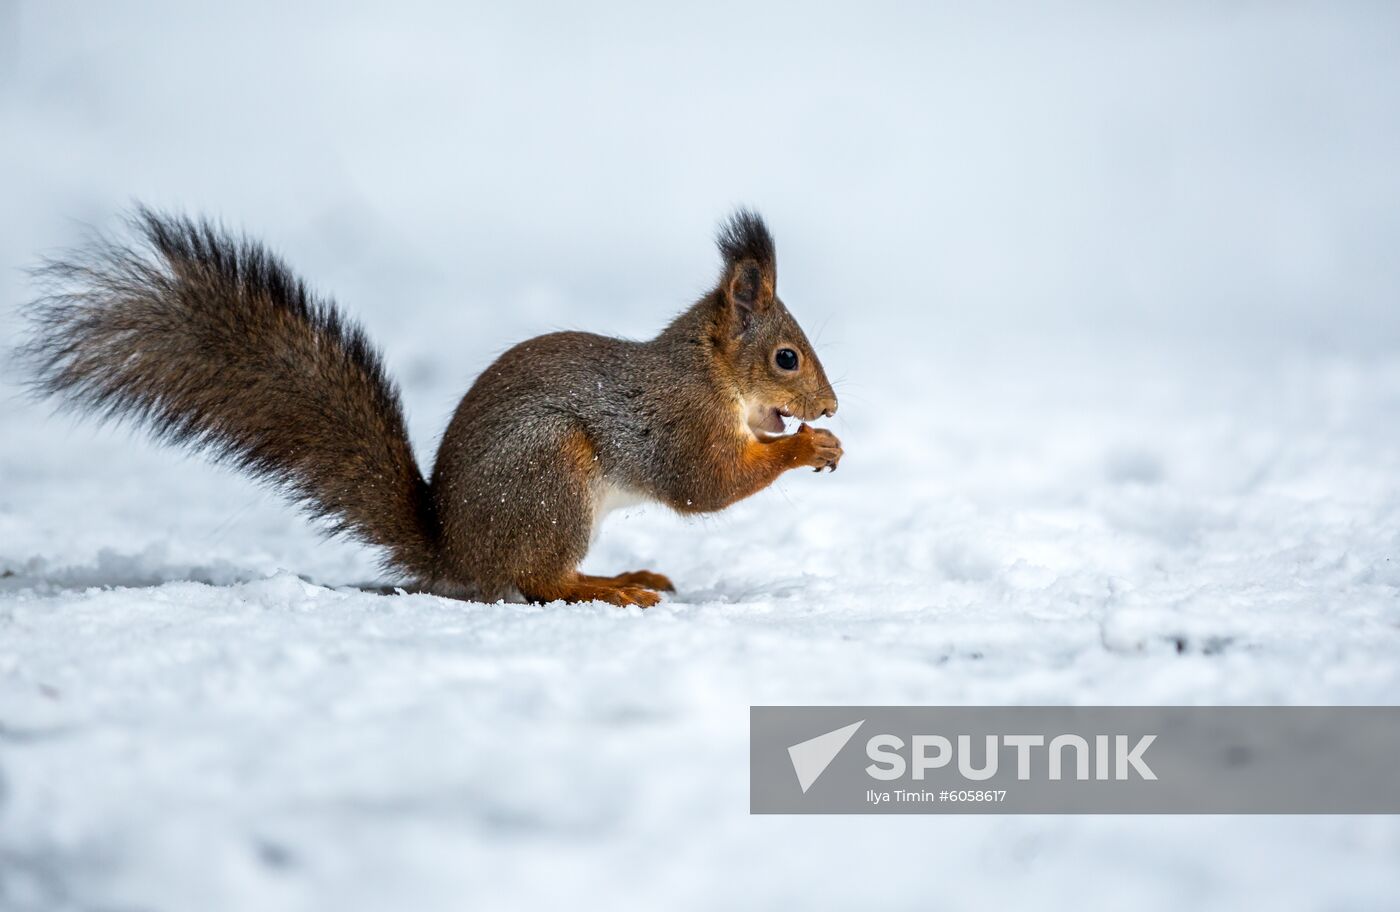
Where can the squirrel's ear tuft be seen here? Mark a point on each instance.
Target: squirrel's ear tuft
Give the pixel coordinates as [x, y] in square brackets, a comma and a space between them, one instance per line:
[745, 237]
[750, 267]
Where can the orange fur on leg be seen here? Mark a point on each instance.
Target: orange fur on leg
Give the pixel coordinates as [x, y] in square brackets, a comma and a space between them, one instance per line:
[757, 464]
[644, 578]
[578, 588]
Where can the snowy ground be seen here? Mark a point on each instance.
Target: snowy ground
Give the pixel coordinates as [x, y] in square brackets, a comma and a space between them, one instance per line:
[1110, 290]
[188, 723]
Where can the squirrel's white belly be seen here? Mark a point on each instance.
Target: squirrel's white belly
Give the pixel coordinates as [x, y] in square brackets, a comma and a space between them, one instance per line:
[608, 497]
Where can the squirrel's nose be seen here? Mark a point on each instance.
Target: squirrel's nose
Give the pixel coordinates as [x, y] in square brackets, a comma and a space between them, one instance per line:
[830, 411]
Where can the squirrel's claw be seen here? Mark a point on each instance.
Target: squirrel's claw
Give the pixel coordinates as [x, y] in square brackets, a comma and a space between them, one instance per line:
[819, 447]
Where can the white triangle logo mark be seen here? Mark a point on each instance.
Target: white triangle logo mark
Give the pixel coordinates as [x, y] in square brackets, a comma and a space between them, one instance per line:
[811, 757]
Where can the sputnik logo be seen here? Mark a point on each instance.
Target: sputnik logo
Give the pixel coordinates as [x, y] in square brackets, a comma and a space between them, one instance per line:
[810, 758]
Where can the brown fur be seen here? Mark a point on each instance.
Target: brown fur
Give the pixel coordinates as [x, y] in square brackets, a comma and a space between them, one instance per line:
[212, 343]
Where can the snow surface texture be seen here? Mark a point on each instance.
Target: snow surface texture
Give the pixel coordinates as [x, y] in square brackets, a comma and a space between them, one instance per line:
[1112, 301]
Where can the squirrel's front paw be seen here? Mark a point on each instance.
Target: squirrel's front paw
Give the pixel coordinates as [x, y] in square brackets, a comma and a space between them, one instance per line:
[817, 447]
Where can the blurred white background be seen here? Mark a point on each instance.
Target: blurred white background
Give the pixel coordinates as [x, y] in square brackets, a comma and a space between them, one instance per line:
[930, 169]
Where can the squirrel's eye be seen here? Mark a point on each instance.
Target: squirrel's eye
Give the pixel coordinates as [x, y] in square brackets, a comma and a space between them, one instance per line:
[786, 359]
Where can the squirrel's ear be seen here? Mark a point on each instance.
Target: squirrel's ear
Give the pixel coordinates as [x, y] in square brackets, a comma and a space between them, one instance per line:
[746, 288]
[750, 265]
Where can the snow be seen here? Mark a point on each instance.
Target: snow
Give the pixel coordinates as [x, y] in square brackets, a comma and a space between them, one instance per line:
[1090, 458]
[188, 724]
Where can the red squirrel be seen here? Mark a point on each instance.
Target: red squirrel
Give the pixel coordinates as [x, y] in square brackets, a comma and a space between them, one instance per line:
[211, 342]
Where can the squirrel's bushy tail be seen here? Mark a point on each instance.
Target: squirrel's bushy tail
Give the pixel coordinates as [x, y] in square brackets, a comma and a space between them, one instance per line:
[210, 341]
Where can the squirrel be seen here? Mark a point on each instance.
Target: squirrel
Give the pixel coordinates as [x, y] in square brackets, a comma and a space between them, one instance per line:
[209, 341]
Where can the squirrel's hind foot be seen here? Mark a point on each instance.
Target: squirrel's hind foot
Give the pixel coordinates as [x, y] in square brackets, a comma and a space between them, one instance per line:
[643, 578]
[580, 588]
